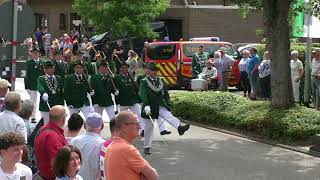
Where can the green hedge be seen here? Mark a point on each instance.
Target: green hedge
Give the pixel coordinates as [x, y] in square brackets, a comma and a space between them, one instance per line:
[230, 110]
[300, 47]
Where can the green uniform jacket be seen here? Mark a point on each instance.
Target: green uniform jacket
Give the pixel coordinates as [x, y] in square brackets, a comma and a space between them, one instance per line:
[198, 62]
[60, 69]
[88, 68]
[139, 79]
[32, 73]
[153, 99]
[127, 93]
[112, 66]
[102, 90]
[75, 92]
[54, 99]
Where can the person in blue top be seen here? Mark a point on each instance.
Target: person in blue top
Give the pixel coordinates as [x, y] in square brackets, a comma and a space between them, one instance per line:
[252, 70]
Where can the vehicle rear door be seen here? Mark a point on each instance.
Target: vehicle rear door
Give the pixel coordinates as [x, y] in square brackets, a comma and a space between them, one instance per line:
[165, 56]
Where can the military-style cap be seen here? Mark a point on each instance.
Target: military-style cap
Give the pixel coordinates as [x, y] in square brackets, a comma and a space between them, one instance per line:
[48, 64]
[104, 63]
[124, 64]
[35, 47]
[79, 53]
[152, 66]
[75, 63]
[56, 52]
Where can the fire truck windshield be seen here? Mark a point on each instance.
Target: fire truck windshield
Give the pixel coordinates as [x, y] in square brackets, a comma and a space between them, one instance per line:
[190, 49]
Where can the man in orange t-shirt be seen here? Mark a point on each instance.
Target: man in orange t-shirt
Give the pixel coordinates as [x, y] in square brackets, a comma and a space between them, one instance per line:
[122, 160]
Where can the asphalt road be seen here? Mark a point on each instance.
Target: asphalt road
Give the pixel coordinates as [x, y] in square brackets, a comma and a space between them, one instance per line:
[203, 154]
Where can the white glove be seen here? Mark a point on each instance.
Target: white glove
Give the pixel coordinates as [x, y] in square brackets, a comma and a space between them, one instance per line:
[116, 92]
[45, 97]
[147, 110]
[91, 93]
[28, 91]
[91, 109]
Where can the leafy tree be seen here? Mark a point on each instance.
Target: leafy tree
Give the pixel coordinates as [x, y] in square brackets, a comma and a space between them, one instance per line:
[125, 17]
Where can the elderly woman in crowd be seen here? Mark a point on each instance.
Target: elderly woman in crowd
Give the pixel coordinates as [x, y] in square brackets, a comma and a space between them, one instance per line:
[67, 163]
[265, 75]
[243, 73]
[11, 150]
[296, 74]
[315, 78]
[4, 88]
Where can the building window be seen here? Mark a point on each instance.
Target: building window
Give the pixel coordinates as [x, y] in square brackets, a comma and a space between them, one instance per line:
[63, 22]
[41, 20]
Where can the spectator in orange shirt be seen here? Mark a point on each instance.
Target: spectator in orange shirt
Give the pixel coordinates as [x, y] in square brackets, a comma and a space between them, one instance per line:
[122, 160]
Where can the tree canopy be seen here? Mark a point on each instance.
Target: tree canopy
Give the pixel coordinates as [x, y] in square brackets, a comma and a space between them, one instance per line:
[125, 17]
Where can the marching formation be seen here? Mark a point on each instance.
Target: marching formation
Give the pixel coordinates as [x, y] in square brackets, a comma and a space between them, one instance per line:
[85, 86]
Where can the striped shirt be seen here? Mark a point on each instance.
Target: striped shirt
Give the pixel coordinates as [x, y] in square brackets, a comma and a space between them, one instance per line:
[103, 151]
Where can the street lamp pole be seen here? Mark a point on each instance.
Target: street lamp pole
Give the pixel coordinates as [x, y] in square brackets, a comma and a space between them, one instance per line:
[14, 44]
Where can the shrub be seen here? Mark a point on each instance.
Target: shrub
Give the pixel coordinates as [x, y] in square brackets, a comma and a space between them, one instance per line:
[230, 110]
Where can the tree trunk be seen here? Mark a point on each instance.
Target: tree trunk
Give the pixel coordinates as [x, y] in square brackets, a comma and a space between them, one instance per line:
[276, 20]
[130, 41]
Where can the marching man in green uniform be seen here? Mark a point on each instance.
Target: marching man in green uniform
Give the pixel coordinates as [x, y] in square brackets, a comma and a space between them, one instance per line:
[87, 67]
[78, 91]
[198, 61]
[33, 71]
[102, 84]
[50, 87]
[162, 126]
[128, 97]
[156, 103]
[59, 65]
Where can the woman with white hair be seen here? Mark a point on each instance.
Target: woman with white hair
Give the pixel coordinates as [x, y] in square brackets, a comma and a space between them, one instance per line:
[243, 73]
[296, 74]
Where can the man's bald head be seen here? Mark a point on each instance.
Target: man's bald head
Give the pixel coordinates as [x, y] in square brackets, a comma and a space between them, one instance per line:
[57, 114]
[122, 118]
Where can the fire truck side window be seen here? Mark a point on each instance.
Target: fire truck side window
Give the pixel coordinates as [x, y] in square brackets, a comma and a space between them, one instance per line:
[161, 52]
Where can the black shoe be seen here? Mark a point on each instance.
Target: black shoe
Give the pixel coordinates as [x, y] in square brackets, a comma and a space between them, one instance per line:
[33, 120]
[165, 132]
[142, 133]
[147, 151]
[183, 129]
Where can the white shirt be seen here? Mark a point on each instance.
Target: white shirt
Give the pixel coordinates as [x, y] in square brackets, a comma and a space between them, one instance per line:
[315, 67]
[22, 172]
[11, 122]
[89, 145]
[212, 73]
[243, 64]
[295, 66]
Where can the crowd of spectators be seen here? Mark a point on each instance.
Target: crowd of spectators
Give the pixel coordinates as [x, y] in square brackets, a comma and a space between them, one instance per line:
[60, 155]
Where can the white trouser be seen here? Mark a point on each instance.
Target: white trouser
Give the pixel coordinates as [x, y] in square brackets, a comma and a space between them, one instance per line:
[45, 116]
[148, 129]
[135, 109]
[295, 88]
[109, 110]
[34, 97]
[86, 110]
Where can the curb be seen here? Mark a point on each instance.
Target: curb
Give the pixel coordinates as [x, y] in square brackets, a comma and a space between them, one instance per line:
[288, 147]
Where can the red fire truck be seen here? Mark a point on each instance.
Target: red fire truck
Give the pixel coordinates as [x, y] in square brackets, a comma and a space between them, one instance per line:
[174, 60]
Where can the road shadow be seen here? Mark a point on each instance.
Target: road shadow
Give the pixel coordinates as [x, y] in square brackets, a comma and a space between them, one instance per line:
[230, 159]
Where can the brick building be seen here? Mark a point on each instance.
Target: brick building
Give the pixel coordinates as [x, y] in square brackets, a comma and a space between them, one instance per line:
[184, 18]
